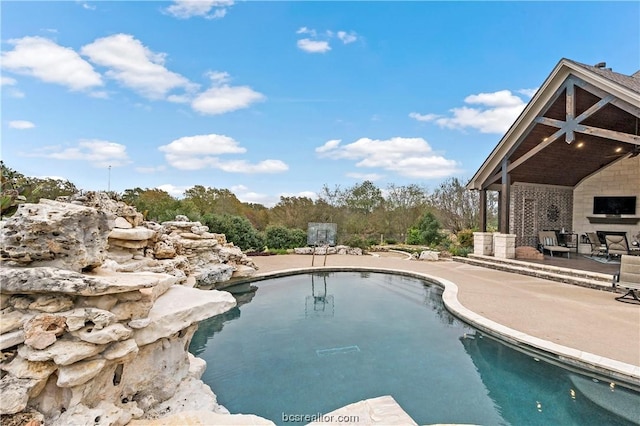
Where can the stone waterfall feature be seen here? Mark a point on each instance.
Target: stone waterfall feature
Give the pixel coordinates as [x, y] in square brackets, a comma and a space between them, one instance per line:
[97, 310]
[97, 313]
[102, 347]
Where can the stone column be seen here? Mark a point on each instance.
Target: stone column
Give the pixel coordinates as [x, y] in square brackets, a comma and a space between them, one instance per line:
[483, 243]
[505, 246]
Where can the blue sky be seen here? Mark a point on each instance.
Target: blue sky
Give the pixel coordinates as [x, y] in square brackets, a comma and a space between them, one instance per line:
[279, 98]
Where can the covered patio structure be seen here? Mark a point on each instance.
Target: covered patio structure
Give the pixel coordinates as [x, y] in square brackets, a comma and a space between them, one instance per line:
[577, 140]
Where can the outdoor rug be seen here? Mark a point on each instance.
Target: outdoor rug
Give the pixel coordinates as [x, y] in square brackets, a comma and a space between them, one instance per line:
[602, 259]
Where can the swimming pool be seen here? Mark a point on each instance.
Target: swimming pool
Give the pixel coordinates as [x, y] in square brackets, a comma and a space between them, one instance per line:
[312, 343]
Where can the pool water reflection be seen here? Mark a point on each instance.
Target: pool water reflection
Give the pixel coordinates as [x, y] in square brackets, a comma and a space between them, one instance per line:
[315, 342]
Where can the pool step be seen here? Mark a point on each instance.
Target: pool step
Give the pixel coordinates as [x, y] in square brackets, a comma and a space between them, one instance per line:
[554, 273]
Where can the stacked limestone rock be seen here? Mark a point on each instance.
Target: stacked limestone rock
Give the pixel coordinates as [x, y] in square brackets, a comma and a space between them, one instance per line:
[100, 348]
[212, 260]
[86, 345]
[343, 250]
[181, 248]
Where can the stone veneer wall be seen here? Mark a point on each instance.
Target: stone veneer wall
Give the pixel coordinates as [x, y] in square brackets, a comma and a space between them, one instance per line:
[619, 179]
[538, 207]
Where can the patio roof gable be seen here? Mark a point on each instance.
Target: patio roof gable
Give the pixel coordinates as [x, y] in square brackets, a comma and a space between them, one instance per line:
[599, 105]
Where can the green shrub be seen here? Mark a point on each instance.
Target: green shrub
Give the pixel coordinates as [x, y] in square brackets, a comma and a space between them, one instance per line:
[237, 230]
[460, 251]
[280, 237]
[371, 241]
[277, 251]
[465, 238]
[356, 241]
[413, 236]
[430, 229]
[298, 238]
[391, 241]
[170, 215]
[427, 231]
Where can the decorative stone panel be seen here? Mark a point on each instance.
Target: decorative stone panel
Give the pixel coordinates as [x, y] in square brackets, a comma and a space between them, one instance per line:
[539, 207]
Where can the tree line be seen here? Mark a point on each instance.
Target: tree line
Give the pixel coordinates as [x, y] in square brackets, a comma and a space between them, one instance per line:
[364, 213]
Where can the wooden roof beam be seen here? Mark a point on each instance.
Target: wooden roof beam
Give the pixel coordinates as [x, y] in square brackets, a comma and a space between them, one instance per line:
[609, 134]
[588, 130]
[568, 127]
[631, 109]
[570, 108]
[497, 173]
[571, 125]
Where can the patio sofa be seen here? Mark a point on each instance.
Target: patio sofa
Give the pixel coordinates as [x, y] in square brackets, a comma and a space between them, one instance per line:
[629, 277]
[549, 242]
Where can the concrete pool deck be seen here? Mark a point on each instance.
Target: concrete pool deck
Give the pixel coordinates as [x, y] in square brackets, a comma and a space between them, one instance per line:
[587, 324]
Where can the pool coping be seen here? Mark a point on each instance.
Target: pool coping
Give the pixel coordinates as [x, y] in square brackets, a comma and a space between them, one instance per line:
[567, 357]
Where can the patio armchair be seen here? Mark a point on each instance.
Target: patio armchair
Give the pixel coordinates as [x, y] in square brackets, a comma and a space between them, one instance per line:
[628, 277]
[597, 248]
[617, 245]
[549, 242]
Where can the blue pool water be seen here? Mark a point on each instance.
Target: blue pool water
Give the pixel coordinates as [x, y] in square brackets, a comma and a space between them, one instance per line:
[311, 343]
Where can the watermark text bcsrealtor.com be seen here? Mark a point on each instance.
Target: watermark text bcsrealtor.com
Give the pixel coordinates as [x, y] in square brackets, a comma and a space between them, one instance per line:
[319, 417]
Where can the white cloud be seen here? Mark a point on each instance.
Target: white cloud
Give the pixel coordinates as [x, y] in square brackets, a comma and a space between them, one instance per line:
[410, 157]
[11, 91]
[365, 176]
[135, 66]
[173, 190]
[211, 144]
[309, 194]
[128, 62]
[222, 97]
[423, 117]
[203, 151]
[328, 146]
[97, 152]
[347, 37]
[502, 98]
[99, 94]
[219, 77]
[7, 81]
[15, 93]
[528, 92]
[313, 46]
[245, 195]
[305, 30]
[495, 112]
[314, 43]
[239, 188]
[44, 59]
[184, 9]
[179, 99]
[257, 198]
[242, 166]
[150, 169]
[21, 124]
[87, 6]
